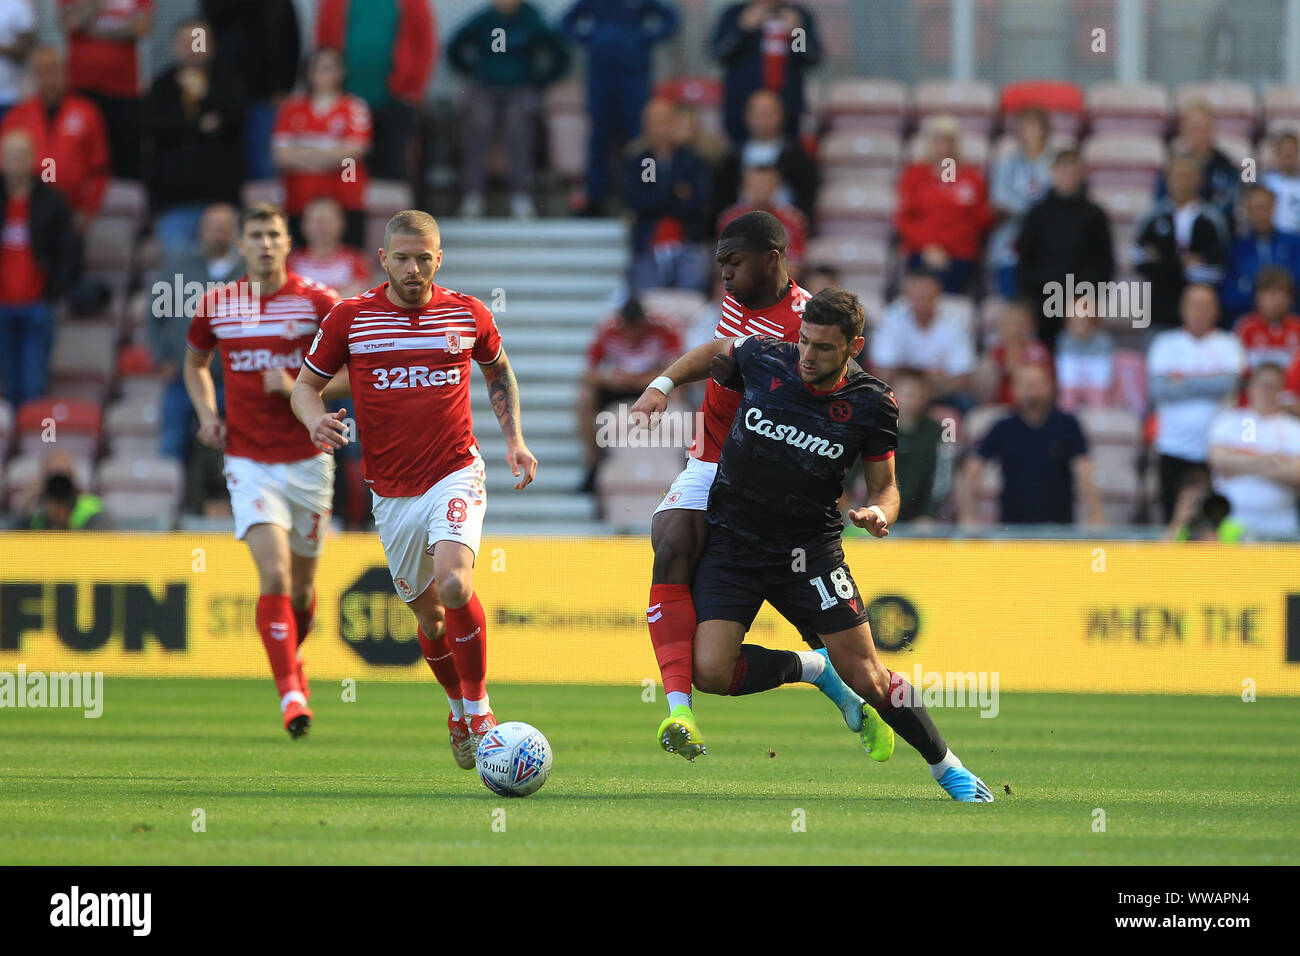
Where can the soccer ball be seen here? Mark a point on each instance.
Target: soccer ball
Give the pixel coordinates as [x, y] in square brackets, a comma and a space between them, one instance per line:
[513, 759]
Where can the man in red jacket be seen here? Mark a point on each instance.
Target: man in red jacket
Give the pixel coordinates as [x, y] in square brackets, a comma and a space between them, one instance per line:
[69, 140]
[388, 57]
[943, 210]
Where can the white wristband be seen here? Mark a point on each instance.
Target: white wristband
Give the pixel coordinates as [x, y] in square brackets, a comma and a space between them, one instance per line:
[662, 384]
[876, 509]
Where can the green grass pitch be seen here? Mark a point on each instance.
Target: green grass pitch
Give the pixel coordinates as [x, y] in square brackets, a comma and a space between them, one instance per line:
[1182, 780]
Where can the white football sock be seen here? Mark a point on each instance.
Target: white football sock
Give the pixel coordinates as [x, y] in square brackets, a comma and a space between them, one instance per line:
[292, 696]
[476, 708]
[457, 708]
[949, 761]
[677, 699]
[813, 665]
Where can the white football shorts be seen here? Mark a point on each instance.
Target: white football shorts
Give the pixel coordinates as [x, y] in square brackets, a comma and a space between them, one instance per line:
[452, 510]
[297, 496]
[690, 489]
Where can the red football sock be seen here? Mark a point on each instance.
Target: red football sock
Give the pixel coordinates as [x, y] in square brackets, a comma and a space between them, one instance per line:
[437, 654]
[305, 617]
[671, 619]
[467, 636]
[279, 631]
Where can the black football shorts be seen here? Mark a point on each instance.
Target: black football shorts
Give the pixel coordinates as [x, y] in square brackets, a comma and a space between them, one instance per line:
[814, 590]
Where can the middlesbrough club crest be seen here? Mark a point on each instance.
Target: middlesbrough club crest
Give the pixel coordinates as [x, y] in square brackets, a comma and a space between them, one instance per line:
[453, 343]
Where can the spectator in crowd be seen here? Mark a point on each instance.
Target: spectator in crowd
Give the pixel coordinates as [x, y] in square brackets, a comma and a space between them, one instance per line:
[761, 189]
[820, 277]
[629, 350]
[1219, 177]
[66, 130]
[213, 259]
[1255, 454]
[509, 55]
[320, 144]
[388, 56]
[764, 45]
[943, 209]
[918, 330]
[1019, 180]
[1283, 180]
[766, 144]
[711, 147]
[258, 41]
[923, 460]
[666, 185]
[1016, 346]
[195, 117]
[1181, 240]
[104, 65]
[17, 32]
[1042, 453]
[39, 262]
[1202, 515]
[1272, 332]
[1192, 372]
[1291, 387]
[326, 258]
[63, 507]
[1064, 234]
[619, 38]
[1085, 361]
[1259, 244]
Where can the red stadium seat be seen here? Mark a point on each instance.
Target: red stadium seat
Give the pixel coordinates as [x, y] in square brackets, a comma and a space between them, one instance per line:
[974, 149]
[566, 143]
[125, 198]
[56, 424]
[631, 483]
[1115, 159]
[858, 211]
[1281, 108]
[859, 155]
[680, 307]
[262, 190]
[6, 427]
[857, 257]
[110, 242]
[136, 375]
[866, 104]
[1233, 105]
[700, 91]
[138, 488]
[1130, 108]
[1062, 101]
[1124, 205]
[83, 360]
[973, 104]
[131, 428]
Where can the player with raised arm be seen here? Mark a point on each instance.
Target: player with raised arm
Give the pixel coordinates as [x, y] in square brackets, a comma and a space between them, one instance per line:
[806, 412]
[281, 484]
[760, 299]
[407, 345]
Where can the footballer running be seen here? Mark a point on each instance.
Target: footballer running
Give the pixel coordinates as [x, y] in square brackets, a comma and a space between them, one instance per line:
[407, 346]
[281, 484]
[761, 299]
[807, 411]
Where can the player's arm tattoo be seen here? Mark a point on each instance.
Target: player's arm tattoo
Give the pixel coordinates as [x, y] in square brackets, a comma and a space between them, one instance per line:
[503, 393]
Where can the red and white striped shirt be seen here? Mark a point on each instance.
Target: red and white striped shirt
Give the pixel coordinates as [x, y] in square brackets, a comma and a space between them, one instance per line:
[780, 321]
[256, 336]
[410, 371]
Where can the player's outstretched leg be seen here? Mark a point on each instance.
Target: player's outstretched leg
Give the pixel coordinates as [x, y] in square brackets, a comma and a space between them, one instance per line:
[453, 565]
[302, 599]
[677, 537]
[432, 634]
[901, 708]
[276, 625]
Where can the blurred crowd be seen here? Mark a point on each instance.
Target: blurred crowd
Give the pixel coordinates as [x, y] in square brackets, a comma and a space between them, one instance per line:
[973, 259]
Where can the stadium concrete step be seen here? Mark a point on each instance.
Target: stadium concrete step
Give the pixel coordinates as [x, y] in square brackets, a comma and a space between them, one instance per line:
[527, 507]
[541, 395]
[519, 289]
[539, 423]
[536, 260]
[496, 233]
[542, 340]
[529, 366]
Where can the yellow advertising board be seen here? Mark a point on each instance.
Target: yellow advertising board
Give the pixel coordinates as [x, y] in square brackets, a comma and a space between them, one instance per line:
[1137, 617]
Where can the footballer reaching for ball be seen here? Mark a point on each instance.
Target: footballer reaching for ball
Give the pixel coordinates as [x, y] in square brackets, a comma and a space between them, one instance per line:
[760, 299]
[407, 345]
[281, 484]
[806, 412]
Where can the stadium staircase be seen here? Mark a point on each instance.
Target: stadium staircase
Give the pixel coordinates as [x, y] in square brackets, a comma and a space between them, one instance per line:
[549, 282]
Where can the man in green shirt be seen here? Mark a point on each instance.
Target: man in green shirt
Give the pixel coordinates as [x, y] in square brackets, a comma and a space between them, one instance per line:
[63, 508]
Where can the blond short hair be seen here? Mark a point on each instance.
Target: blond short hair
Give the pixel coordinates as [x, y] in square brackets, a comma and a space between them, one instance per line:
[412, 222]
